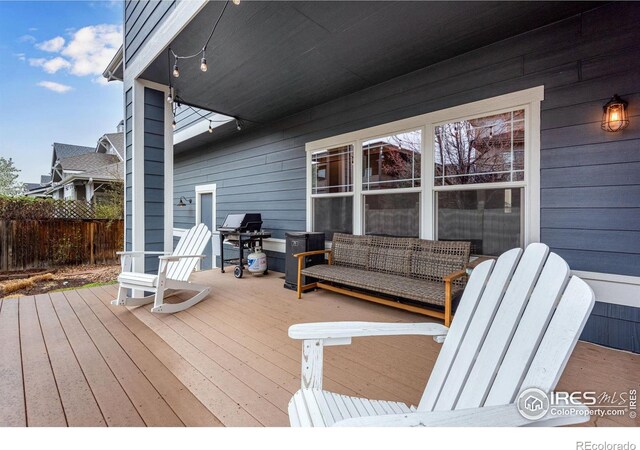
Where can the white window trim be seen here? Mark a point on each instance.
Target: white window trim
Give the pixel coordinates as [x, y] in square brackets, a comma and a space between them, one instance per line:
[529, 99]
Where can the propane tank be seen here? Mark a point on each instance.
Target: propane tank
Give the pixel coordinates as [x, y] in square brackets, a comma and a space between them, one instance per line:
[257, 261]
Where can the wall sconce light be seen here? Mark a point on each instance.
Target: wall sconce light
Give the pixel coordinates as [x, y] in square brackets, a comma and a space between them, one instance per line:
[615, 116]
[183, 201]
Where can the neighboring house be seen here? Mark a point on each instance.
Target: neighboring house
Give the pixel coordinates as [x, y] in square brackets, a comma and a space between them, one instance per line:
[85, 173]
[317, 93]
[76, 181]
[38, 189]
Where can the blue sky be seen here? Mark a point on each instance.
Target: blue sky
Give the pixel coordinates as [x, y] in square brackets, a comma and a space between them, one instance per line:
[51, 90]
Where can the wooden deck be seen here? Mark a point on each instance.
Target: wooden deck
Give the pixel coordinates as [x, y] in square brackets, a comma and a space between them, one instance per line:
[70, 358]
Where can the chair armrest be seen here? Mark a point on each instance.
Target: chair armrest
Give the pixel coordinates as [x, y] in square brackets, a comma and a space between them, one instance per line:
[171, 258]
[454, 276]
[333, 330]
[316, 336]
[488, 416]
[480, 259]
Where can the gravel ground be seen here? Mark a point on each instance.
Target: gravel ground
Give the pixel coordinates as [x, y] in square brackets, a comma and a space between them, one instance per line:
[63, 278]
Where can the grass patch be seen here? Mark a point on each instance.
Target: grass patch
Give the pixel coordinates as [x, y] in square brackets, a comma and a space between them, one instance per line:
[88, 285]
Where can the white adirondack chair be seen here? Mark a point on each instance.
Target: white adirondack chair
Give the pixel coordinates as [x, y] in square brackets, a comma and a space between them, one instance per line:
[173, 273]
[517, 324]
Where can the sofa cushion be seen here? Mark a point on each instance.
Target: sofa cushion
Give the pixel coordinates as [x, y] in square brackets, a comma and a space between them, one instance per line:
[423, 291]
[432, 260]
[390, 255]
[350, 251]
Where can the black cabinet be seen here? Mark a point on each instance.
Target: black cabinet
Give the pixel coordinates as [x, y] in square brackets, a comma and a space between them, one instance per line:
[299, 242]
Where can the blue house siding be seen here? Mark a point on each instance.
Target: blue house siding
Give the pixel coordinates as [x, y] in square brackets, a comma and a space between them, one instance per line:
[128, 238]
[141, 18]
[590, 187]
[153, 175]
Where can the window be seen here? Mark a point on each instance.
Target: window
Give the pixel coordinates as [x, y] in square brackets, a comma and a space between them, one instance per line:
[489, 218]
[332, 190]
[470, 172]
[474, 152]
[391, 173]
[487, 149]
[392, 214]
[332, 170]
[392, 162]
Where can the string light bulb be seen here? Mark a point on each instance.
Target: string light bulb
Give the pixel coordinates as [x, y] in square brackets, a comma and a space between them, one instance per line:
[173, 124]
[210, 127]
[169, 97]
[176, 71]
[236, 2]
[203, 63]
[238, 125]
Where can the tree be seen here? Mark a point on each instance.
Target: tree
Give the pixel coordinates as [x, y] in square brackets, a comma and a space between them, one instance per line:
[9, 174]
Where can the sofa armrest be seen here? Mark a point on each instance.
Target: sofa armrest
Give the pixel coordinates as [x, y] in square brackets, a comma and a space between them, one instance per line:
[454, 276]
[301, 257]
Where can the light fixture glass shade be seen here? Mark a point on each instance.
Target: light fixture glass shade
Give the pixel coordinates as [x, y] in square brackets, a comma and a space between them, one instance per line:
[615, 116]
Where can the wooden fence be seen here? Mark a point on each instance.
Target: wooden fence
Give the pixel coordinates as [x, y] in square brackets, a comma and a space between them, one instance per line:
[36, 244]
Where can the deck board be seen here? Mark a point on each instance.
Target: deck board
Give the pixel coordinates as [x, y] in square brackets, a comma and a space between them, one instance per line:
[146, 399]
[190, 413]
[12, 406]
[79, 403]
[43, 403]
[114, 403]
[196, 383]
[228, 360]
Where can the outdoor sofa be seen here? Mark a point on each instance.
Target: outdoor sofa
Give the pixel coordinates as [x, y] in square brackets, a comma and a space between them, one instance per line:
[418, 275]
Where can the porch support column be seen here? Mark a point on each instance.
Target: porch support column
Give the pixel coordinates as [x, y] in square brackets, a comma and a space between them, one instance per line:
[150, 184]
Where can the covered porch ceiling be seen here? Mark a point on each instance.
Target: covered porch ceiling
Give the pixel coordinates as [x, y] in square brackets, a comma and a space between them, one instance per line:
[268, 60]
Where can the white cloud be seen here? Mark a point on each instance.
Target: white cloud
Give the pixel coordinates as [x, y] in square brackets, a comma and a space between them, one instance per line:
[37, 62]
[87, 52]
[33, 29]
[55, 64]
[26, 38]
[52, 45]
[50, 65]
[21, 56]
[92, 48]
[55, 87]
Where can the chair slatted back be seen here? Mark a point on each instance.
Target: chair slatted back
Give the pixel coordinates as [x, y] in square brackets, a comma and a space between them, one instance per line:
[517, 324]
[193, 242]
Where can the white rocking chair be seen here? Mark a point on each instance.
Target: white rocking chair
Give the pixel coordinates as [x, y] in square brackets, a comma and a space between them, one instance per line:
[515, 328]
[173, 273]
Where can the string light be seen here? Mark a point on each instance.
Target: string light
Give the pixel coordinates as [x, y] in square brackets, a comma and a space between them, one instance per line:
[203, 63]
[172, 97]
[176, 71]
[173, 124]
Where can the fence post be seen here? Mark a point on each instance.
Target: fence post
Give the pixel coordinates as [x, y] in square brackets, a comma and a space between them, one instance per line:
[4, 254]
[91, 240]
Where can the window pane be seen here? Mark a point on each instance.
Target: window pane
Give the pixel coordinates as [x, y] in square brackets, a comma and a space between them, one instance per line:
[392, 162]
[332, 170]
[392, 214]
[489, 218]
[333, 215]
[481, 150]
